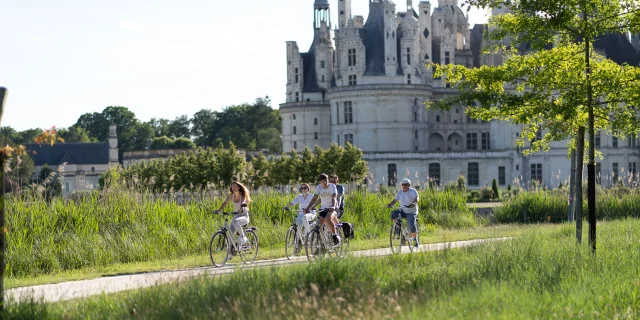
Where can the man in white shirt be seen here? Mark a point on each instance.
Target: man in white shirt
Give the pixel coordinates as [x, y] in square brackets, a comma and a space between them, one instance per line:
[327, 193]
[408, 198]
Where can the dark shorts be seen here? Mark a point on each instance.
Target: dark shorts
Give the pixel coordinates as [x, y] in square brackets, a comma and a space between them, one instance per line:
[323, 213]
[412, 219]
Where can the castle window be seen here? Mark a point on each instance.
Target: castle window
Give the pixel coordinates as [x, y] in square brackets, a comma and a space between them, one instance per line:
[472, 141]
[295, 145]
[293, 116]
[614, 142]
[437, 118]
[297, 96]
[473, 174]
[392, 173]
[632, 142]
[351, 54]
[322, 78]
[338, 139]
[415, 135]
[315, 121]
[315, 135]
[486, 141]
[297, 75]
[408, 79]
[415, 117]
[434, 172]
[596, 139]
[353, 80]
[322, 64]
[408, 56]
[616, 172]
[338, 115]
[632, 168]
[471, 120]
[348, 112]
[538, 136]
[536, 172]
[348, 138]
[502, 176]
[447, 59]
[295, 131]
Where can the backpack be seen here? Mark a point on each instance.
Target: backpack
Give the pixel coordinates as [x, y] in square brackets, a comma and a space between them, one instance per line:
[348, 230]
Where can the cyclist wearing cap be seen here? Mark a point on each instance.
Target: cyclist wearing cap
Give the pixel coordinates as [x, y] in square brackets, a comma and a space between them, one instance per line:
[408, 198]
[327, 193]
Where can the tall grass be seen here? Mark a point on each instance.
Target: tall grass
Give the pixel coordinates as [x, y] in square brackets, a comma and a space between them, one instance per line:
[553, 206]
[120, 227]
[538, 276]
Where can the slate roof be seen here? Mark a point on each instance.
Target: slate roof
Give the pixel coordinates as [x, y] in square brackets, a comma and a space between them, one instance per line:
[309, 70]
[372, 34]
[618, 48]
[72, 153]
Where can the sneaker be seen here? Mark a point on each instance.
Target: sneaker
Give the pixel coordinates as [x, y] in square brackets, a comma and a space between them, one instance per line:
[415, 243]
[242, 240]
[336, 239]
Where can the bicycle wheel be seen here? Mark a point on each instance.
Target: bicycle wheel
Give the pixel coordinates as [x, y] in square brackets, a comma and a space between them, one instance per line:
[395, 238]
[249, 251]
[342, 250]
[410, 244]
[291, 242]
[219, 249]
[313, 245]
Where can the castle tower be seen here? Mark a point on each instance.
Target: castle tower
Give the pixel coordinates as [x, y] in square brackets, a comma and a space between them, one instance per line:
[113, 146]
[323, 56]
[344, 13]
[295, 79]
[426, 36]
[321, 13]
[390, 40]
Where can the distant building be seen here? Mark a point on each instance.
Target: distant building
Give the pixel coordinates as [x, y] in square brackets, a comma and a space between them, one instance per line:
[83, 163]
[365, 82]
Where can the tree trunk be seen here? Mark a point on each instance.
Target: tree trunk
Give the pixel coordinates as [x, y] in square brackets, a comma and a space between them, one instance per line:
[572, 187]
[591, 167]
[579, 170]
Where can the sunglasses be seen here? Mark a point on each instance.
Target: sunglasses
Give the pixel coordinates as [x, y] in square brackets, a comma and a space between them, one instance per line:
[304, 188]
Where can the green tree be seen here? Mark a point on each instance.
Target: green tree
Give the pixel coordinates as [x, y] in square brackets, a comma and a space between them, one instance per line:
[27, 136]
[261, 168]
[554, 89]
[494, 188]
[160, 127]
[75, 134]
[161, 143]
[203, 123]
[183, 143]
[270, 138]
[180, 127]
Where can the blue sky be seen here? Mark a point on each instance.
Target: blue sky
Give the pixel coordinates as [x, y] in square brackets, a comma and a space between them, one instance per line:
[160, 58]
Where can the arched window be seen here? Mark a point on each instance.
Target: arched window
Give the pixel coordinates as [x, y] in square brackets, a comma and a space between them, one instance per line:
[392, 174]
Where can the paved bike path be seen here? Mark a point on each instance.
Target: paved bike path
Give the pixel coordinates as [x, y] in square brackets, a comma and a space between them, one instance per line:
[111, 284]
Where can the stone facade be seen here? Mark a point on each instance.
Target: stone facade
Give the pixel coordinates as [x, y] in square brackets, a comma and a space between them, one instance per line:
[370, 90]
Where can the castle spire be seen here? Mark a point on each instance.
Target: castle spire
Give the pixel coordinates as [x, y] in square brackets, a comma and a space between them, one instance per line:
[321, 13]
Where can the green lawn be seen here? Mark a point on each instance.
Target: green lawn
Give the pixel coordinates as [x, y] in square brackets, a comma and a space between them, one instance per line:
[541, 275]
[441, 235]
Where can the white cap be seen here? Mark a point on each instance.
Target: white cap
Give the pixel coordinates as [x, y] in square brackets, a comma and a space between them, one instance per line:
[406, 181]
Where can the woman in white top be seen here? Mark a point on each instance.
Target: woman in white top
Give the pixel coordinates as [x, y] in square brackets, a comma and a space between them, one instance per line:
[302, 200]
[238, 195]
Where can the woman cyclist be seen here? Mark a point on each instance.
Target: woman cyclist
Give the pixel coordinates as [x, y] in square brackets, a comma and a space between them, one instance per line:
[303, 200]
[239, 196]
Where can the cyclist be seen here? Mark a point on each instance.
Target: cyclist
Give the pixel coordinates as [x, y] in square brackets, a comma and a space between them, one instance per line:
[303, 200]
[340, 199]
[327, 193]
[408, 198]
[239, 196]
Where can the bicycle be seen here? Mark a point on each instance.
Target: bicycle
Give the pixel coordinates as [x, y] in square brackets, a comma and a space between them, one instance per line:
[223, 243]
[293, 241]
[320, 243]
[399, 234]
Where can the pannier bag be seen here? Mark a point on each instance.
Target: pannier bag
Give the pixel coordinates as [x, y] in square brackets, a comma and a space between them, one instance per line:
[347, 228]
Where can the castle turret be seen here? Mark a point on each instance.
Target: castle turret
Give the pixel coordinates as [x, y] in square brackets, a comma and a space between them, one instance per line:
[321, 13]
[426, 38]
[390, 40]
[113, 146]
[344, 13]
[323, 57]
[295, 79]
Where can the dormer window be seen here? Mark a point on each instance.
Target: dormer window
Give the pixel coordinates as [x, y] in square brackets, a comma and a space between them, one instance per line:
[351, 55]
